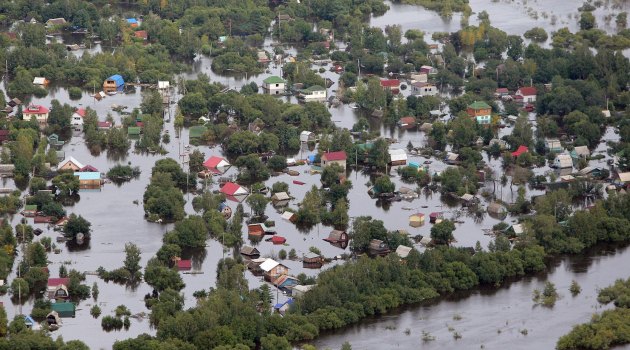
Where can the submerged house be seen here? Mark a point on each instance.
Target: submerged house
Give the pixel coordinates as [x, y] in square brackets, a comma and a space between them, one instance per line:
[274, 85]
[563, 161]
[416, 220]
[64, 309]
[70, 163]
[249, 251]
[314, 93]
[39, 112]
[115, 82]
[234, 191]
[480, 111]
[273, 269]
[214, 163]
[403, 251]
[312, 260]
[57, 285]
[378, 247]
[334, 158]
[89, 180]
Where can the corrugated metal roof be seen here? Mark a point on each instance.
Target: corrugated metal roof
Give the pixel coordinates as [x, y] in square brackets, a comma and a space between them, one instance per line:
[88, 175]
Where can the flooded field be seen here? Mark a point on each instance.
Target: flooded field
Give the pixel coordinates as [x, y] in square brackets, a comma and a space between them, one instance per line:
[491, 318]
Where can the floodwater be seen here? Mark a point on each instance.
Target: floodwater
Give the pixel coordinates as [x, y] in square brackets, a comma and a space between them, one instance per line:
[116, 219]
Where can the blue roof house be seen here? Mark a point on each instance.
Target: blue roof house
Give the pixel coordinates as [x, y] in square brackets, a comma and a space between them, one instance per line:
[132, 21]
[115, 82]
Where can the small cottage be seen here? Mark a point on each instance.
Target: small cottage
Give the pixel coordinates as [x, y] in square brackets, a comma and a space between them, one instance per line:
[429, 70]
[397, 157]
[64, 309]
[528, 93]
[436, 217]
[563, 161]
[280, 198]
[621, 179]
[406, 122]
[481, 111]
[334, 158]
[40, 81]
[451, 158]
[115, 82]
[403, 251]
[70, 164]
[77, 118]
[580, 152]
[274, 85]
[259, 230]
[215, 163]
[392, 85]
[250, 252]
[314, 93]
[553, 145]
[378, 247]
[289, 216]
[53, 318]
[89, 180]
[273, 269]
[312, 260]
[299, 290]
[416, 220]
[60, 292]
[39, 112]
[234, 190]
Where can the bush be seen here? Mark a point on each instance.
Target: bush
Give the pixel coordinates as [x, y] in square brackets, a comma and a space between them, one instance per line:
[282, 254]
[109, 323]
[95, 311]
[75, 93]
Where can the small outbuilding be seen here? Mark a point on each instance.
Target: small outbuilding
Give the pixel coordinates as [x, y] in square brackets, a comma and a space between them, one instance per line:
[312, 260]
[115, 82]
[64, 309]
[250, 252]
[403, 251]
[416, 220]
[378, 247]
[563, 161]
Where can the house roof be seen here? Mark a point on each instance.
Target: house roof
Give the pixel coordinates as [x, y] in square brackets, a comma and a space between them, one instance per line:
[163, 84]
[39, 81]
[390, 83]
[420, 84]
[142, 34]
[249, 250]
[582, 151]
[407, 120]
[479, 105]
[273, 80]
[268, 265]
[314, 88]
[520, 150]
[467, 197]
[30, 207]
[35, 109]
[335, 156]
[564, 160]
[624, 177]
[403, 251]
[56, 21]
[232, 189]
[517, 228]
[526, 91]
[215, 162]
[278, 239]
[61, 307]
[54, 282]
[184, 264]
[118, 79]
[287, 215]
[303, 288]
[132, 21]
[70, 160]
[88, 168]
[88, 175]
[397, 155]
[134, 130]
[80, 112]
[104, 124]
[311, 255]
[502, 90]
[281, 196]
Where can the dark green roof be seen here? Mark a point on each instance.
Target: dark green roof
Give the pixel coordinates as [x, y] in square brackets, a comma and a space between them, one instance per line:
[64, 309]
[479, 105]
[30, 207]
[273, 80]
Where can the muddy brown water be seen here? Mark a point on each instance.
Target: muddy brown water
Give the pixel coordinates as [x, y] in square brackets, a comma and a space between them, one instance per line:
[117, 220]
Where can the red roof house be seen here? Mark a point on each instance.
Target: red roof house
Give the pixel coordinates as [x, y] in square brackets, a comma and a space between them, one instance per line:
[141, 34]
[521, 149]
[80, 112]
[55, 282]
[501, 92]
[232, 189]
[88, 168]
[391, 84]
[215, 162]
[407, 121]
[104, 125]
[528, 93]
[184, 265]
[334, 157]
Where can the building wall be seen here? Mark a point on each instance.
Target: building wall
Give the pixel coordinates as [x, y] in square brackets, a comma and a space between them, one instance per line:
[342, 163]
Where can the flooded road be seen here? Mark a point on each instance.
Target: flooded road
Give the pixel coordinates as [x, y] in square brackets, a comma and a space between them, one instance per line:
[116, 219]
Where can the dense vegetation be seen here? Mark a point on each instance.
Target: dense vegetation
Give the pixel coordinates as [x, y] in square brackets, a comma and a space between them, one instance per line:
[605, 330]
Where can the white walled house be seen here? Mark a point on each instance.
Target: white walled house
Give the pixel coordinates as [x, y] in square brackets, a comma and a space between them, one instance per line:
[274, 85]
[423, 89]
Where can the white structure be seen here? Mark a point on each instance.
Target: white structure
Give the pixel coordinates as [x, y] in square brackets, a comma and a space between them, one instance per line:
[41, 81]
[274, 85]
[563, 161]
[419, 78]
[403, 251]
[77, 119]
[299, 290]
[164, 85]
[528, 93]
[582, 151]
[314, 93]
[397, 157]
[424, 89]
[307, 136]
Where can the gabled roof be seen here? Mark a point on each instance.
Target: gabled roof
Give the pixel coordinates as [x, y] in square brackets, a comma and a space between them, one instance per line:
[390, 83]
[232, 189]
[118, 79]
[479, 105]
[582, 151]
[502, 90]
[335, 156]
[89, 168]
[407, 120]
[35, 109]
[624, 177]
[215, 162]
[56, 21]
[273, 80]
[268, 265]
[184, 264]
[80, 112]
[397, 155]
[141, 34]
[54, 282]
[403, 251]
[70, 160]
[526, 91]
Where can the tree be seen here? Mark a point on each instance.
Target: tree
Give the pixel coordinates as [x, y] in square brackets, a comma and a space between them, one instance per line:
[196, 160]
[19, 288]
[152, 103]
[536, 34]
[331, 175]
[251, 169]
[587, 20]
[442, 233]
[277, 163]
[257, 202]
[75, 225]
[132, 259]
[189, 233]
[515, 47]
[66, 183]
[274, 342]
[60, 116]
[384, 184]
[161, 277]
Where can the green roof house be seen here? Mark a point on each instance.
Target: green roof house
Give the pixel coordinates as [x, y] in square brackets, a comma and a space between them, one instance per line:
[30, 210]
[64, 309]
[274, 85]
[481, 111]
[313, 93]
